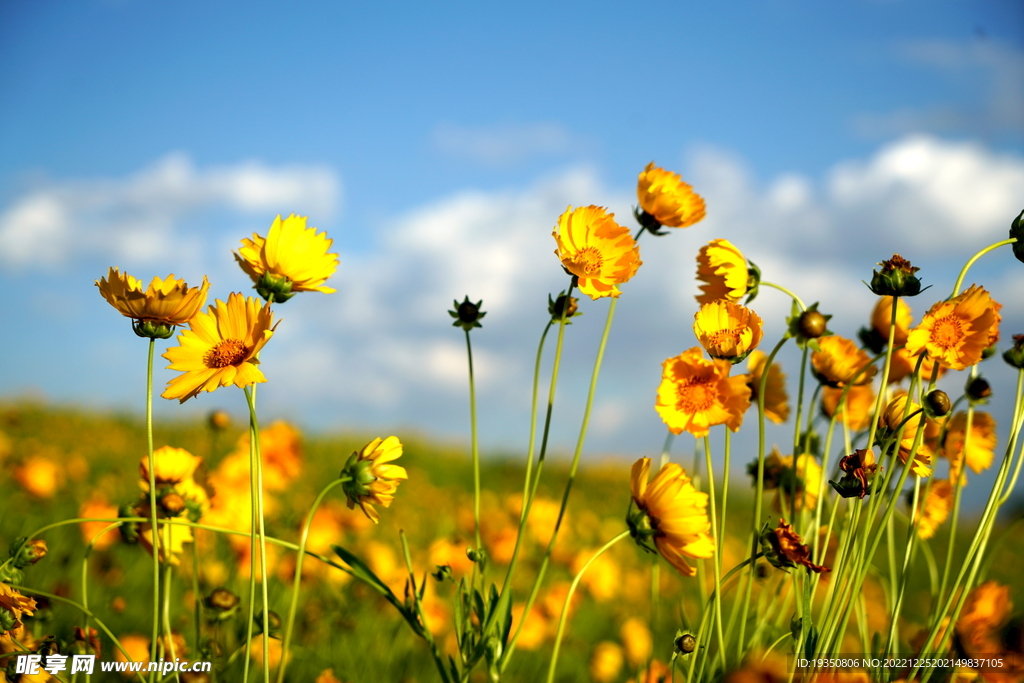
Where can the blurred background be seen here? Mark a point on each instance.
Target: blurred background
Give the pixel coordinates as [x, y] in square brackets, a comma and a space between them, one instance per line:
[437, 146]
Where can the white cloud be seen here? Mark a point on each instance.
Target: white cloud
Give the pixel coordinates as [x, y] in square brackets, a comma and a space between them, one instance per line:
[502, 145]
[139, 217]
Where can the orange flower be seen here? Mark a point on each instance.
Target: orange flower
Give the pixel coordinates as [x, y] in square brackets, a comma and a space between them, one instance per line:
[155, 310]
[881, 317]
[839, 360]
[860, 401]
[935, 508]
[723, 270]
[696, 394]
[727, 330]
[902, 365]
[980, 447]
[891, 419]
[672, 513]
[597, 250]
[39, 476]
[787, 549]
[957, 331]
[667, 199]
[776, 402]
[98, 507]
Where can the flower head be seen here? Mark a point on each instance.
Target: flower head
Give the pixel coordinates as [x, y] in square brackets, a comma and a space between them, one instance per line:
[292, 258]
[727, 330]
[723, 270]
[776, 402]
[980, 447]
[157, 309]
[881, 319]
[838, 362]
[857, 467]
[801, 481]
[856, 411]
[897, 278]
[956, 332]
[219, 348]
[935, 508]
[892, 420]
[696, 393]
[373, 478]
[597, 250]
[467, 314]
[784, 548]
[13, 606]
[671, 513]
[666, 200]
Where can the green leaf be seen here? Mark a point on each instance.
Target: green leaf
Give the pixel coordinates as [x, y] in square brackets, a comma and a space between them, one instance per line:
[364, 573]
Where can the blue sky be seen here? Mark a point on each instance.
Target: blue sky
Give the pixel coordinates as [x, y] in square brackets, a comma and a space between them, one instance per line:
[438, 145]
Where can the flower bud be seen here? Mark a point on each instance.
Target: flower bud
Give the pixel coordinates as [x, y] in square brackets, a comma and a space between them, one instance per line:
[467, 314]
[223, 602]
[937, 403]
[274, 288]
[8, 620]
[476, 554]
[685, 643]
[807, 326]
[444, 571]
[129, 530]
[555, 307]
[1017, 231]
[273, 619]
[896, 278]
[24, 552]
[978, 390]
[172, 503]
[86, 643]
[218, 420]
[812, 324]
[152, 329]
[1015, 354]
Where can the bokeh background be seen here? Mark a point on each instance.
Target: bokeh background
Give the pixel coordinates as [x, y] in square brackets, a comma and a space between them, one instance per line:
[438, 143]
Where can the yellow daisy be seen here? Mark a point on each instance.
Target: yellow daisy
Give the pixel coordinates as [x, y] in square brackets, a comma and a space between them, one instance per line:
[956, 332]
[219, 348]
[839, 360]
[371, 478]
[727, 330]
[164, 303]
[723, 270]
[776, 401]
[890, 421]
[664, 197]
[292, 258]
[881, 318]
[696, 393]
[675, 514]
[980, 447]
[597, 250]
[935, 509]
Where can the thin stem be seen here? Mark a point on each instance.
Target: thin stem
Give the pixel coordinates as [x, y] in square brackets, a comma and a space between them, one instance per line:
[168, 633]
[717, 560]
[473, 442]
[257, 463]
[152, 503]
[967, 266]
[794, 297]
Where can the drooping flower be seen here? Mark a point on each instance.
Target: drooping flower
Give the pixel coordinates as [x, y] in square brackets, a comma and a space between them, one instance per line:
[597, 250]
[956, 332]
[158, 308]
[981, 445]
[723, 270]
[727, 330]
[13, 606]
[881, 319]
[838, 361]
[292, 258]
[856, 412]
[784, 548]
[776, 401]
[857, 467]
[373, 480]
[696, 393]
[666, 199]
[935, 508]
[671, 513]
[219, 348]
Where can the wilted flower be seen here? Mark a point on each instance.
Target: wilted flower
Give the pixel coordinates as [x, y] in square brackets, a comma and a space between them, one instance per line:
[220, 347]
[597, 250]
[292, 258]
[671, 513]
[373, 480]
[723, 270]
[1014, 356]
[956, 332]
[696, 393]
[857, 467]
[776, 402]
[727, 330]
[838, 362]
[157, 309]
[784, 548]
[666, 200]
[556, 306]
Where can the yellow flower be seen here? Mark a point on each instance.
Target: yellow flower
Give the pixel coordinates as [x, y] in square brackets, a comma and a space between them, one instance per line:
[596, 249]
[672, 513]
[935, 509]
[137, 647]
[372, 479]
[860, 401]
[956, 332]
[890, 420]
[281, 450]
[16, 605]
[839, 360]
[723, 270]
[292, 258]
[219, 348]
[902, 366]
[98, 507]
[776, 401]
[39, 476]
[979, 629]
[665, 197]
[727, 330]
[606, 662]
[165, 303]
[535, 626]
[637, 639]
[173, 466]
[173, 538]
[602, 579]
[980, 447]
[803, 481]
[696, 393]
[881, 317]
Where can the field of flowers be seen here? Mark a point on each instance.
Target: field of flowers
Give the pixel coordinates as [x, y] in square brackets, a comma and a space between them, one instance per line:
[280, 556]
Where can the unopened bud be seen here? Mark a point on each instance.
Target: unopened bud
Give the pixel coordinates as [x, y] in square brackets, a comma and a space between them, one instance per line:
[7, 620]
[1015, 354]
[812, 324]
[937, 403]
[897, 278]
[1017, 231]
[151, 329]
[685, 643]
[25, 552]
[218, 420]
[222, 600]
[978, 390]
[274, 288]
[467, 314]
[172, 503]
[555, 307]
[273, 619]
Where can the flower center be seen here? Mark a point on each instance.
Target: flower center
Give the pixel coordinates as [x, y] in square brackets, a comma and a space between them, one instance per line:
[228, 352]
[725, 340]
[588, 260]
[697, 395]
[947, 332]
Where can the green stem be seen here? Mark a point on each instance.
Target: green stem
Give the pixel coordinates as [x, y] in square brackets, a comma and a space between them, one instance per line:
[967, 266]
[568, 601]
[256, 460]
[473, 443]
[794, 297]
[168, 633]
[152, 503]
[717, 560]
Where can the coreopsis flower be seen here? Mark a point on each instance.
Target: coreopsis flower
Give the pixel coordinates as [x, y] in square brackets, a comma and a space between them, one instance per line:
[776, 401]
[889, 423]
[173, 538]
[934, 510]
[956, 332]
[220, 347]
[838, 361]
[981, 631]
[327, 676]
[597, 250]
[373, 480]
[281, 450]
[856, 411]
[137, 647]
[13, 606]
[535, 626]
[881, 319]
[606, 662]
[801, 481]
[671, 513]
[98, 507]
[292, 258]
[157, 309]
[723, 270]
[39, 476]
[637, 640]
[902, 365]
[727, 330]
[981, 445]
[665, 200]
[172, 466]
[857, 468]
[696, 393]
[784, 548]
[602, 579]
[656, 671]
